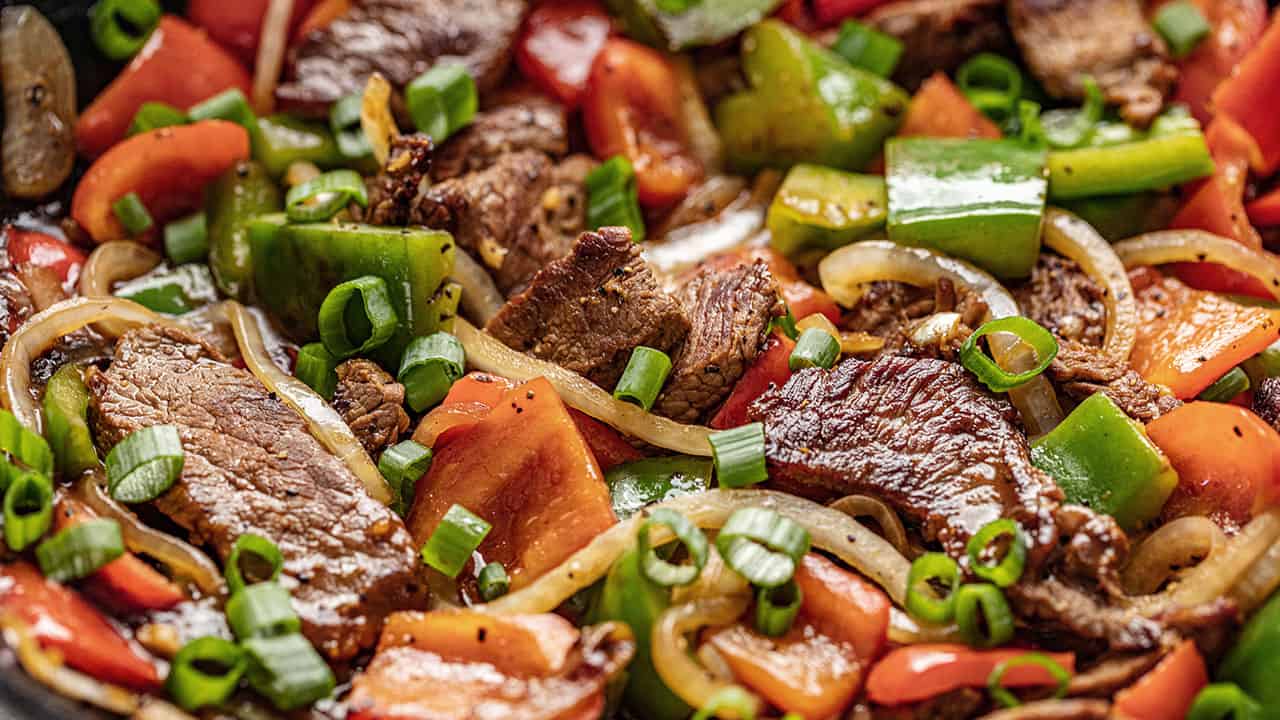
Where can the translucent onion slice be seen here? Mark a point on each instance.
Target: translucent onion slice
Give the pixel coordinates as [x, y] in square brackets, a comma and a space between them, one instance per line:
[856, 506]
[829, 529]
[846, 272]
[114, 262]
[47, 667]
[481, 299]
[679, 671]
[486, 353]
[1167, 246]
[1076, 239]
[270, 59]
[376, 119]
[1176, 545]
[323, 421]
[906, 630]
[42, 331]
[1259, 582]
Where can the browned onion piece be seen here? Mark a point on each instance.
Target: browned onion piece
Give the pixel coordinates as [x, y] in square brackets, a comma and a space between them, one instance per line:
[47, 667]
[481, 299]
[856, 506]
[1076, 240]
[906, 630]
[680, 672]
[39, 104]
[111, 263]
[375, 117]
[1167, 246]
[272, 43]
[1261, 580]
[1178, 544]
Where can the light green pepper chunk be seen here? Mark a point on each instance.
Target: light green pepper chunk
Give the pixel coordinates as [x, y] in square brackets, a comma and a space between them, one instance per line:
[706, 22]
[818, 207]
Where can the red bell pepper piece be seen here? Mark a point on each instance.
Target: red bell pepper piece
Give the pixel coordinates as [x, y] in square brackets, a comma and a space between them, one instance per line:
[939, 109]
[632, 107]
[844, 606]
[238, 25]
[772, 367]
[1248, 94]
[919, 672]
[797, 14]
[559, 44]
[179, 65]
[830, 12]
[1227, 458]
[62, 620]
[608, 447]
[42, 250]
[1237, 26]
[1168, 689]
[478, 387]
[323, 13]
[125, 583]
[1265, 210]
[167, 167]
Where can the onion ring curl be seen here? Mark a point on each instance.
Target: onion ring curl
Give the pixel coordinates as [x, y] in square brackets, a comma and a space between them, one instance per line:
[1168, 246]
[1076, 240]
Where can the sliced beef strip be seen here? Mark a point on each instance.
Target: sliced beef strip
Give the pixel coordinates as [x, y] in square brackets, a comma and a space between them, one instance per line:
[1081, 371]
[891, 309]
[252, 467]
[1058, 610]
[556, 220]
[1266, 401]
[1064, 40]
[534, 122]
[729, 310]
[959, 704]
[400, 39]
[1063, 298]
[372, 404]
[1063, 709]
[587, 311]
[941, 34]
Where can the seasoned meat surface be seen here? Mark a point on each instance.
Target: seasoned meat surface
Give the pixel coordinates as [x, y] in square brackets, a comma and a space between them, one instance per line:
[400, 39]
[252, 467]
[393, 192]
[729, 311]
[1266, 401]
[959, 704]
[941, 34]
[371, 402]
[920, 434]
[1065, 300]
[534, 122]
[1059, 610]
[1061, 709]
[1064, 40]
[890, 310]
[547, 233]
[1082, 370]
[586, 312]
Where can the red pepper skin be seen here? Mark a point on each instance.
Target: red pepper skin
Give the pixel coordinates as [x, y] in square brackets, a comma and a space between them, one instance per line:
[179, 65]
[796, 13]
[1168, 689]
[64, 621]
[125, 583]
[608, 447]
[919, 672]
[238, 25]
[1247, 96]
[1265, 211]
[772, 367]
[559, 44]
[830, 12]
[42, 250]
[1237, 26]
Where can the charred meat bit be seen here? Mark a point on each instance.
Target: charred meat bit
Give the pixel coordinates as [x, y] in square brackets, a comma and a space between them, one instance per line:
[941, 34]
[370, 401]
[1065, 300]
[1081, 371]
[1266, 401]
[532, 123]
[891, 310]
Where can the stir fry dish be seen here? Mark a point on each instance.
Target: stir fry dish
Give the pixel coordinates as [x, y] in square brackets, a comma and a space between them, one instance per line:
[641, 359]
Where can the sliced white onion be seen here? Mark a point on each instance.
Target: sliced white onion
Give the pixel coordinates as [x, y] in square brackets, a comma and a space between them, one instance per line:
[1260, 582]
[481, 299]
[829, 529]
[324, 422]
[488, 354]
[1175, 545]
[856, 506]
[375, 117]
[1167, 246]
[272, 43]
[1076, 240]
[846, 273]
[157, 709]
[48, 668]
[114, 262]
[906, 630]
[739, 224]
[680, 672]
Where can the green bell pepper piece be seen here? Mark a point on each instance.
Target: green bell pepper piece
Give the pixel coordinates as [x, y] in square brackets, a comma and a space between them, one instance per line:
[296, 265]
[980, 200]
[174, 291]
[239, 195]
[806, 104]
[706, 22]
[1117, 217]
[286, 140]
[627, 596]
[66, 408]
[1103, 459]
[1254, 662]
[636, 484]
[818, 207]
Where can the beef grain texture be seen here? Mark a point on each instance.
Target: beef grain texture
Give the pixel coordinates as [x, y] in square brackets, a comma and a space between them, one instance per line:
[729, 310]
[1064, 40]
[1064, 299]
[919, 434]
[586, 312]
[371, 402]
[890, 310]
[252, 467]
[533, 122]
[400, 39]
[941, 34]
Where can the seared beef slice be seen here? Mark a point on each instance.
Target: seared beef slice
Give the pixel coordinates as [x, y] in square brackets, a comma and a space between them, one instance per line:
[252, 467]
[371, 402]
[941, 34]
[588, 311]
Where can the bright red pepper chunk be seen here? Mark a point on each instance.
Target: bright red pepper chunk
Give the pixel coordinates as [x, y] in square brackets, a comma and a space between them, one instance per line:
[559, 44]
[43, 250]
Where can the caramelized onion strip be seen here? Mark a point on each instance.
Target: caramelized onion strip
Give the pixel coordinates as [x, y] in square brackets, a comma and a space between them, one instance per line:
[273, 42]
[110, 263]
[1076, 240]
[856, 506]
[47, 667]
[1177, 544]
[1168, 246]
[376, 119]
[680, 672]
[481, 299]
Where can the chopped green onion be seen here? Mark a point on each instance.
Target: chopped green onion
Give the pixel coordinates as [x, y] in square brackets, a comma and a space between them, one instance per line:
[321, 197]
[1067, 129]
[429, 367]
[738, 454]
[868, 48]
[230, 105]
[493, 582]
[153, 115]
[402, 465]
[661, 572]
[23, 445]
[1224, 701]
[187, 240]
[205, 672]
[815, 348]
[145, 464]
[344, 121]
[643, 378]
[357, 316]
[979, 606]
[28, 508]
[66, 421]
[1225, 388]
[121, 27]
[79, 550]
[317, 367]
[458, 535]
[442, 100]
[1030, 130]
[776, 608]
[762, 545]
[1006, 570]
[928, 573]
[267, 561]
[262, 610]
[1006, 698]
[132, 214]
[992, 84]
[611, 197]
[1182, 26]
[737, 701]
[675, 7]
[287, 671]
[787, 324]
[992, 375]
